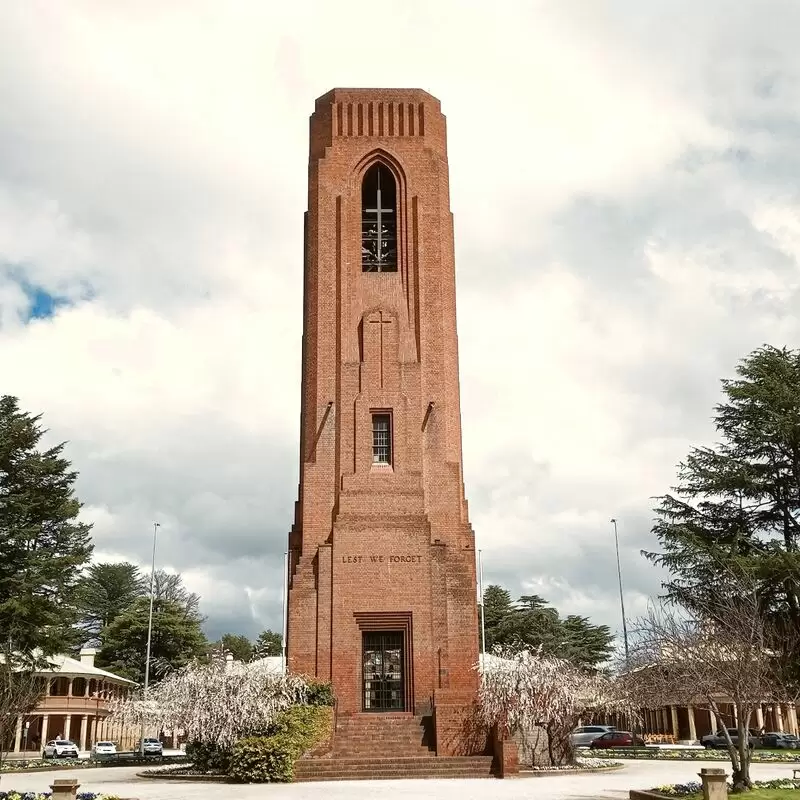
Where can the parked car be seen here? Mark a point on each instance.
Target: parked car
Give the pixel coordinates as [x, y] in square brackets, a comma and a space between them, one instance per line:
[585, 735]
[152, 747]
[616, 739]
[60, 748]
[104, 749]
[716, 741]
[780, 741]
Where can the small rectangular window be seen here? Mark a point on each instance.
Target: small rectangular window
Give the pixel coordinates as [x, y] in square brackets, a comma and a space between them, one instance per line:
[382, 438]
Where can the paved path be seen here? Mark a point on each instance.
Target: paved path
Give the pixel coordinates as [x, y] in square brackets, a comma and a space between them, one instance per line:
[122, 781]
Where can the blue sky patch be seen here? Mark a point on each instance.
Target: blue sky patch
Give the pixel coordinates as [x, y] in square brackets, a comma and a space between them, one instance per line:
[42, 304]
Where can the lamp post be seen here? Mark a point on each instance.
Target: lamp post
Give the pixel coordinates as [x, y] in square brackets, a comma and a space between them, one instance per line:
[624, 622]
[283, 611]
[156, 526]
[483, 613]
[621, 597]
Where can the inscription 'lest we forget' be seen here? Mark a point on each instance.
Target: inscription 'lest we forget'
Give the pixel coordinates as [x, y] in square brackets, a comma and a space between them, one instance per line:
[379, 559]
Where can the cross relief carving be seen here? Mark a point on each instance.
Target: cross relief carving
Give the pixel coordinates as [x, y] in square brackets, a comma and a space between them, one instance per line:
[379, 332]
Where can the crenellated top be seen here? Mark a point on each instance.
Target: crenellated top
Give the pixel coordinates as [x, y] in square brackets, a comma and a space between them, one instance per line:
[377, 114]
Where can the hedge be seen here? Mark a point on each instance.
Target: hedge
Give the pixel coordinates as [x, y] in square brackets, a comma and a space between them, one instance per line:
[271, 759]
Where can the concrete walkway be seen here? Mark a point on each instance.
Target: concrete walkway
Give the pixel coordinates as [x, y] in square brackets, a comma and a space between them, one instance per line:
[122, 781]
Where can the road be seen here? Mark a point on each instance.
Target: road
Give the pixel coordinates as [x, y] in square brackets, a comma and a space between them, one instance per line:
[122, 781]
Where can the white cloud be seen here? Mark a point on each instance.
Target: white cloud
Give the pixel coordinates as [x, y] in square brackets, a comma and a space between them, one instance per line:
[624, 181]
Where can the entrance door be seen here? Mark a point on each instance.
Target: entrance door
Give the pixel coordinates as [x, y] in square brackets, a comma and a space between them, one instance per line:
[383, 671]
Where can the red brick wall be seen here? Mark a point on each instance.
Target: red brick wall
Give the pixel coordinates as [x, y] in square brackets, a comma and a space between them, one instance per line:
[457, 729]
[372, 539]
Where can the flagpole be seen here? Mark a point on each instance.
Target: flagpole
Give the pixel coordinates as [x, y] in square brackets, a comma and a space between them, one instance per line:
[483, 615]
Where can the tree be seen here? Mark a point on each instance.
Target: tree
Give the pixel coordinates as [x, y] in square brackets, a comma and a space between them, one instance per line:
[169, 586]
[535, 696]
[722, 652]
[737, 504]
[216, 704]
[239, 646]
[497, 606]
[268, 643]
[105, 591]
[531, 623]
[585, 644]
[177, 638]
[43, 544]
[20, 690]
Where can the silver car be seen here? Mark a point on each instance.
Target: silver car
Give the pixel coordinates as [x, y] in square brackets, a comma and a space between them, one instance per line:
[150, 747]
[585, 735]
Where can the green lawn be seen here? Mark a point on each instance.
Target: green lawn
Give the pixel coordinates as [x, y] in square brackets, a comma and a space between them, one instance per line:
[756, 794]
[764, 794]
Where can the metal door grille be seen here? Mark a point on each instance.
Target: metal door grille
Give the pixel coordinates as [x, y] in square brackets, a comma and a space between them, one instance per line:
[383, 671]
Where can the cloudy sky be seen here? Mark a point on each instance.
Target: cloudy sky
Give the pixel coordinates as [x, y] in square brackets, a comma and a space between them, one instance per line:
[624, 179]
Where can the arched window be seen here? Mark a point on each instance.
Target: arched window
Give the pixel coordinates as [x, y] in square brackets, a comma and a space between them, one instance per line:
[378, 221]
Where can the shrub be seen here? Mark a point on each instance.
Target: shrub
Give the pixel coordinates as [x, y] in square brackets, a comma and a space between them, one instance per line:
[319, 694]
[209, 757]
[267, 759]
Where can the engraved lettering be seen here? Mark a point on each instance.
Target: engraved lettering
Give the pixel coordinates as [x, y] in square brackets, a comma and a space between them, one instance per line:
[379, 558]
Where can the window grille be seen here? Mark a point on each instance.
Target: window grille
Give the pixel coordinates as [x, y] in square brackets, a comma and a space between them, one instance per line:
[381, 439]
[378, 221]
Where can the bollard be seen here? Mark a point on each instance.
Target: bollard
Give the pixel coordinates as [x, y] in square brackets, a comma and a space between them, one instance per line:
[64, 788]
[715, 783]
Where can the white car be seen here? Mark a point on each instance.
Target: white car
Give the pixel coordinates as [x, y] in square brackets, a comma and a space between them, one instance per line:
[60, 748]
[104, 749]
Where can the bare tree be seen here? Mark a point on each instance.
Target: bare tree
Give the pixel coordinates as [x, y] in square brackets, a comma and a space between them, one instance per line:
[526, 694]
[20, 690]
[725, 655]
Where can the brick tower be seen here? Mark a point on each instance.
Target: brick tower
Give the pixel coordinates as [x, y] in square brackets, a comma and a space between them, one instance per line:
[382, 594]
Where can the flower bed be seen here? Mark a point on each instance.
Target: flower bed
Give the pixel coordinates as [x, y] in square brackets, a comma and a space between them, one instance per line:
[124, 760]
[758, 756]
[184, 774]
[581, 765]
[39, 763]
[12, 794]
[695, 789]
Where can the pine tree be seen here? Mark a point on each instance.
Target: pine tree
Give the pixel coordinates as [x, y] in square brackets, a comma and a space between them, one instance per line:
[737, 504]
[177, 639]
[530, 623]
[106, 591]
[43, 545]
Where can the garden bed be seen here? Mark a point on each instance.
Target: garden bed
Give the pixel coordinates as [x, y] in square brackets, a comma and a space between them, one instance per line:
[52, 765]
[183, 774]
[584, 765]
[14, 794]
[778, 789]
[663, 754]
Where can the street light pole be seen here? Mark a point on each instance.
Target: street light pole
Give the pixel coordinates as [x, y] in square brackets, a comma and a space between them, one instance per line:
[283, 610]
[621, 597]
[483, 613]
[156, 526]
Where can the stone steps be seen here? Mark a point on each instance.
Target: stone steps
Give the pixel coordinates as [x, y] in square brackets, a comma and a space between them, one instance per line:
[389, 735]
[397, 768]
[387, 747]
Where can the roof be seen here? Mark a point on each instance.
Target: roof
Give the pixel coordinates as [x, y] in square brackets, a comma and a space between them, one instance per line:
[270, 663]
[64, 665]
